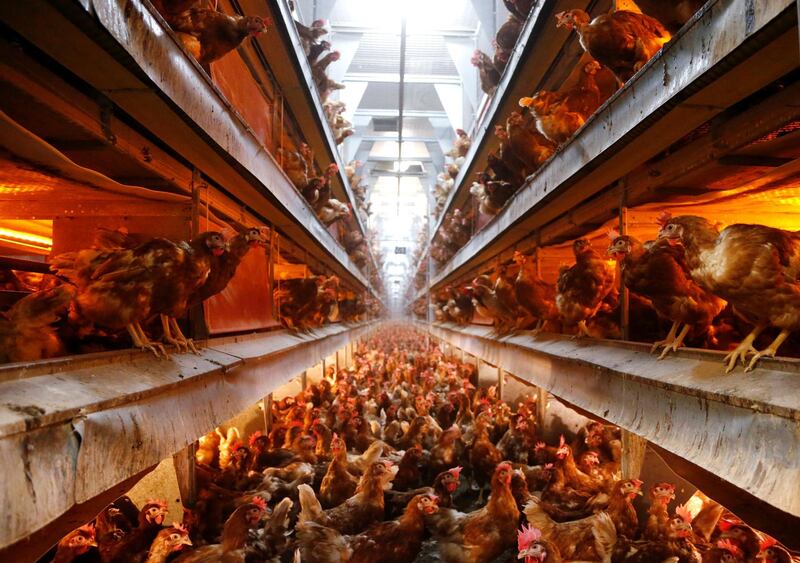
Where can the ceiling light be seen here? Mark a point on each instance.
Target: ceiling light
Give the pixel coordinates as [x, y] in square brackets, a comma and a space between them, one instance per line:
[22, 238]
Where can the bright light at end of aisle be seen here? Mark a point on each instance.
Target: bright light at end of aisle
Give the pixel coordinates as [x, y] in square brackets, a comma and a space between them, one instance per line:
[421, 15]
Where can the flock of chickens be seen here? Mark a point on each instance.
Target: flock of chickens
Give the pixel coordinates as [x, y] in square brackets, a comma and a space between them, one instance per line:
[208, 34]
[616, 46]
[128, 282]
[299, 164]
[382, 462]
[316, 190]
[120, 284]
[719, 288]
[303, 304]
[713, 285]
[315, 49]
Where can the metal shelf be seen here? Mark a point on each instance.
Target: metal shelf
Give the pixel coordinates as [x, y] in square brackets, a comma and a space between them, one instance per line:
[685, 405]
[73, 428]
[120, 48]
[538, 48]
[283, 43]
[724, 54]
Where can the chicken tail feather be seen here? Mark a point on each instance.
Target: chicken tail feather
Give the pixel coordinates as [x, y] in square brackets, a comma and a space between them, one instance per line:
[279, 520]
[605, 536]
[310, 508]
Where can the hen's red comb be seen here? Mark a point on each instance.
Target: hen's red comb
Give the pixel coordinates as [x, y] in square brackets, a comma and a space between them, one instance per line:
[684, 513]
[526, 536]
[663, 218]
[455, 471]
[260, 503]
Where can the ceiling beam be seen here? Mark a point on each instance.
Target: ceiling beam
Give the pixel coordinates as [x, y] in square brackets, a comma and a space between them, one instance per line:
[395, 77]
[344, 27]
[374, 112]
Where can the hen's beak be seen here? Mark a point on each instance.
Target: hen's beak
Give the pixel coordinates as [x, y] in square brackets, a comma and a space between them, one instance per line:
[185, 540]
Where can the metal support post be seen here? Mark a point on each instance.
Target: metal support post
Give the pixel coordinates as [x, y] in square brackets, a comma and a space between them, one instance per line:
[184, 463]
[268, 414]
[501, 382]
[623, 291]
[541, 408]
[633, 450]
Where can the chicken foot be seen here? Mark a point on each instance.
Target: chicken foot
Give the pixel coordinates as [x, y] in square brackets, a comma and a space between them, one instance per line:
[677, 343]
[141, 341]
[188, 342]
[180, 345]
[744, 348]
[582, 331]
[672, 342]
[769, 351]
[669, 339]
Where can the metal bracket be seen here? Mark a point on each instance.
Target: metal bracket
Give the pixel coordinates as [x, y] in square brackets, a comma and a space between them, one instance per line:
[106, 113]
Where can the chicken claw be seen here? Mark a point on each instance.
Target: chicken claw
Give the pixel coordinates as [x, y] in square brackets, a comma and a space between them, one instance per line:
[179, 344]
[538, 328]
[769, 351]
[744, 348]
[141, 342]
[187, 342]
[668, 340]
[582, 331]
[675, 344]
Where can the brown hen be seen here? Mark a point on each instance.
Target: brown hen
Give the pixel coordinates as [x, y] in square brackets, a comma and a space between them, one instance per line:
[534, 294]
[559, 114]
[623, 41]
[209, 34]
[482, 535]
[755, 268]
[581, 290]
[26, 333]
[657, 271]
